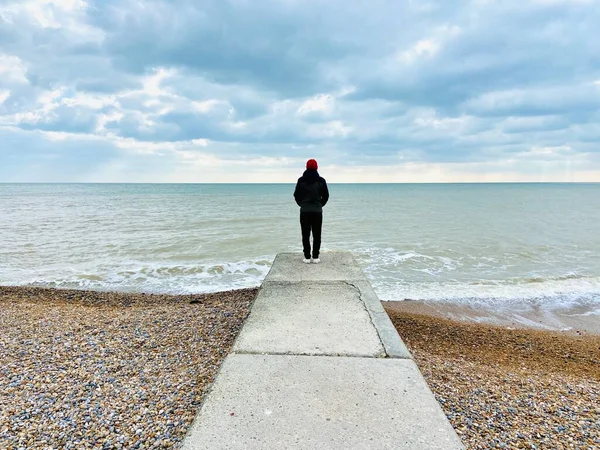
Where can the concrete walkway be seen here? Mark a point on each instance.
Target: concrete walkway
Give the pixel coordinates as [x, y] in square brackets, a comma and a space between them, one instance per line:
[319, 365]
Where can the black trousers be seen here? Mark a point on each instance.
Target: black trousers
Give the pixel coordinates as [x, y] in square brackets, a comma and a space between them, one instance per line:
[311, 222]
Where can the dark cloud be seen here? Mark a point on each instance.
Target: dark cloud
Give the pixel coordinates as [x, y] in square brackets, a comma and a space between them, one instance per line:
[28, 156]
[270, 46]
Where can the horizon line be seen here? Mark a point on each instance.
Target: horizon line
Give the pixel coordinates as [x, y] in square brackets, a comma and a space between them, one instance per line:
[293, 182]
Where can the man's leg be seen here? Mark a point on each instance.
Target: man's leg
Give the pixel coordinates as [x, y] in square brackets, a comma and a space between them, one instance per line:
[316, 225]
[305, 227]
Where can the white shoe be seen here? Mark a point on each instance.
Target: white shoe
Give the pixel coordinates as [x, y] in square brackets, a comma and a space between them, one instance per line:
[315, 260]
[306, 261]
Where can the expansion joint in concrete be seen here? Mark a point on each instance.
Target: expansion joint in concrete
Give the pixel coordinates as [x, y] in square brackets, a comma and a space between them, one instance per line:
[362, 302]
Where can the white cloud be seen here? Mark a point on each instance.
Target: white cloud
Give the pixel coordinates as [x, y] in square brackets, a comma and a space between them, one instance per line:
[199, 142]
[207, 105]
[560, 151]
[46, 103]
[431, 46]
[332, 129]
[4, 94]
[151, 85]
[29, 117]
[323, 103]
[89, 101]
[12, 69]
[421, 49]
[153, 148]
[67, 15]
[64, 136]
[48, 98]
[104, 119]
[430, 119]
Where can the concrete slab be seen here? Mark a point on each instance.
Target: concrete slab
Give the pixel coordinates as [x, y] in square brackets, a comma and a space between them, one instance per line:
[392, 343]
[290, 382]
[334, 266]
[310, 319]
[309, 402]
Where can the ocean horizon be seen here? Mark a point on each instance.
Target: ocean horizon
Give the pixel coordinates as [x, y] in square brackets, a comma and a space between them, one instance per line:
[502, 245]
[293, 183]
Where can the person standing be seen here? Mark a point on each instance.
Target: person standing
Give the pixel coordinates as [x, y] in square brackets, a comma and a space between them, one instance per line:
[311, 194]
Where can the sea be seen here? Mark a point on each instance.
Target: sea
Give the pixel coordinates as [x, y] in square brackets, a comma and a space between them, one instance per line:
[497, 245]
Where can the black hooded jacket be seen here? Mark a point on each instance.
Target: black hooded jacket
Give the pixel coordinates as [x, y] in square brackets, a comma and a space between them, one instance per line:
[311, 192]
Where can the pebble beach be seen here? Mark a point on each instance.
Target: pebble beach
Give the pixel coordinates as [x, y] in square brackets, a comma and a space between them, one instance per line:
[102, 370]
[82, 369]
[507, 388]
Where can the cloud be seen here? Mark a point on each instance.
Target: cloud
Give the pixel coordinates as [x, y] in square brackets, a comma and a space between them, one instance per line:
[319, 104]
[536, 101]
[146, 90]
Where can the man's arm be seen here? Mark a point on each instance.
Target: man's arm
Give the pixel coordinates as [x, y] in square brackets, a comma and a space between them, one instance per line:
[324, 192]
[297, 194]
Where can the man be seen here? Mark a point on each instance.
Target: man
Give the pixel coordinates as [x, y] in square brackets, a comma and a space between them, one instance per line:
[311, 195]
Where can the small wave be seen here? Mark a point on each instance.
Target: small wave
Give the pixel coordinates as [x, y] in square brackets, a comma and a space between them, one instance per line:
[533, 280]
[553, 292]
[595, 312]
[557, 278]
[139, 277]
[390, 259]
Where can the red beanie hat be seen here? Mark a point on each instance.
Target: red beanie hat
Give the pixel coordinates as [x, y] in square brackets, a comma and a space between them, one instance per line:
[312, 164]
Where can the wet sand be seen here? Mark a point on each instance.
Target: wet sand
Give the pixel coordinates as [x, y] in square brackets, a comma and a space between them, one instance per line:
[575, 320]
[505, 385]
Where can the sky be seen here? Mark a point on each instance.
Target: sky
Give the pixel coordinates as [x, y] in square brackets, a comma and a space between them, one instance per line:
[248, 90]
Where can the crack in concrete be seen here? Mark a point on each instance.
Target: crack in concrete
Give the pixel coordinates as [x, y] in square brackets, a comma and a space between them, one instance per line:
[384, 352]
[324, 355]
